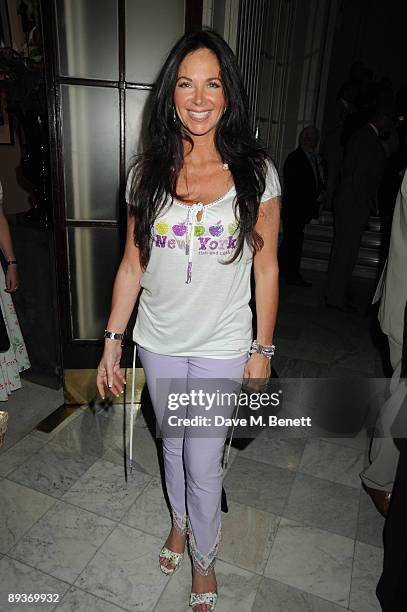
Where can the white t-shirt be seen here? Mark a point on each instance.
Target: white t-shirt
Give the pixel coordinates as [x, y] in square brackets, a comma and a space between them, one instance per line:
[191, 303]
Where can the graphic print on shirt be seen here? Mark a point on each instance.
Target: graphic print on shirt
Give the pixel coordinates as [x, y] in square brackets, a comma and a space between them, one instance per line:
[212, 239]
[199, 229]
[180, 229]
[162, 228]
[216, 230]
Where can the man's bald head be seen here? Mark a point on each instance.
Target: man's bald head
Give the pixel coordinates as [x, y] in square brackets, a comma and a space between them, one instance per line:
[309, 138]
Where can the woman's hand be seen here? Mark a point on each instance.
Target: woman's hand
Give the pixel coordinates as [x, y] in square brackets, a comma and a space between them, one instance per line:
[11, 278]
[256, 372]
[109, 374]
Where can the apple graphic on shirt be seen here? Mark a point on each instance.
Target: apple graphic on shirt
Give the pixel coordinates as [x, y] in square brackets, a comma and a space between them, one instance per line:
[216, 230]
[180, 229]
[162, 228]
[232, 228]
[199, 230]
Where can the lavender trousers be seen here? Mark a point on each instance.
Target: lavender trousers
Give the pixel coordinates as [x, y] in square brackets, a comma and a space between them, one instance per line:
[193, 454]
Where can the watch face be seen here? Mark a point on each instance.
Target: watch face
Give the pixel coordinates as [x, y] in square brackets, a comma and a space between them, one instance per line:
[113, 335]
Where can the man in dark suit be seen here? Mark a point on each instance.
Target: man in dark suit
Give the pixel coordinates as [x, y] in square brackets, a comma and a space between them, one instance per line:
[362, 169]
[303, 189]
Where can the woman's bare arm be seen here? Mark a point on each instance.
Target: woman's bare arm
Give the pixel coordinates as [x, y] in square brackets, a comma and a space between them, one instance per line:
[266, 271]
[125, 292]
[127, 283]
[6, 246]
[265, 267]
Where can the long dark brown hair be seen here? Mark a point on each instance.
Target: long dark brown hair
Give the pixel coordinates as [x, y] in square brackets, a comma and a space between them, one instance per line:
[155, 172]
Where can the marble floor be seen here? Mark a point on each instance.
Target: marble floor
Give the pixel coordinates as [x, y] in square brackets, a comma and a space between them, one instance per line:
[27, 407]
[300, 535]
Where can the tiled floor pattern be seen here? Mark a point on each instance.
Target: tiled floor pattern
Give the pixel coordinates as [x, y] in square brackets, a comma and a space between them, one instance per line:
[300, 535]
[69, 524]
[27, 407]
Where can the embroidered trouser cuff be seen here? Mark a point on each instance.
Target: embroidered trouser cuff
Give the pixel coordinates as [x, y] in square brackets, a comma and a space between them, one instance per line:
[203, 563]
[179, 522]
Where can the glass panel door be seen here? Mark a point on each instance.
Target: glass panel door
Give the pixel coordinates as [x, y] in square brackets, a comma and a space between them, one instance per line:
[91, 147]
[106, 57]
[88, 38]
[152, 27]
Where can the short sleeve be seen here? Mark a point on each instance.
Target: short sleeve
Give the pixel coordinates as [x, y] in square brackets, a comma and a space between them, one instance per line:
[273, 188]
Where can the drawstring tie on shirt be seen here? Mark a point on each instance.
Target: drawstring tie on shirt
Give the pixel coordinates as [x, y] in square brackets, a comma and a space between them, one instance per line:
[193, 211]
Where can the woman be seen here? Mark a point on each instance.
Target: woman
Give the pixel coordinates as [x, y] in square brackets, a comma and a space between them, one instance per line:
[203, 205]
[15, 359]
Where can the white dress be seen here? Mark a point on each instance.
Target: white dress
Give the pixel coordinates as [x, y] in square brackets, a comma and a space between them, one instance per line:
[15, 360]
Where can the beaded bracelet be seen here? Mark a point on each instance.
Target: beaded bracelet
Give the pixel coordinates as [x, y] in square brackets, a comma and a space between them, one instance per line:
[267, 351]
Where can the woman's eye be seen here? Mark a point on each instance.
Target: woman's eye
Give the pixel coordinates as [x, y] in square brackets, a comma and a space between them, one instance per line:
[184, 84]
[214, 85]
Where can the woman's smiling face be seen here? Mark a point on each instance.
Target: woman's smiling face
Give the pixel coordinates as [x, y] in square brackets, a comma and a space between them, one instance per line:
[199, 98]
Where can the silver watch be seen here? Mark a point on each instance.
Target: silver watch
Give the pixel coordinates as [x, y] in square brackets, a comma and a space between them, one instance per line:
[267, 351]
[113, 335]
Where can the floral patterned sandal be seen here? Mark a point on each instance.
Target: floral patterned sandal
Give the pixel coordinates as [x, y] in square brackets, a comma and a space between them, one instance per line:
[172, 556]
[199, 599]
